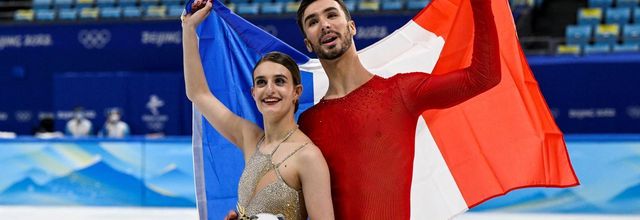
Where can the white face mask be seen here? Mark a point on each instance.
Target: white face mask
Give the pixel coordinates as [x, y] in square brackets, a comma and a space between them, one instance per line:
[114, 118]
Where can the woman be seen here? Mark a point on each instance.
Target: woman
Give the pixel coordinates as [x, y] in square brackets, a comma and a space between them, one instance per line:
[281, 163]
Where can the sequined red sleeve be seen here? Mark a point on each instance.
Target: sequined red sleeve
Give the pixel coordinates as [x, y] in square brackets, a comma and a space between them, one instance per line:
[442, 91]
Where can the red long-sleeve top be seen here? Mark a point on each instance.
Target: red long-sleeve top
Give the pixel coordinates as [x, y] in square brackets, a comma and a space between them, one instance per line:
[367, 136]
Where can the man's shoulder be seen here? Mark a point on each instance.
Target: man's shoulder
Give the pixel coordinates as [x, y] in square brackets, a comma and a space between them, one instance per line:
[308, 112]
[311, 115]
[408, 75]
[408, 78]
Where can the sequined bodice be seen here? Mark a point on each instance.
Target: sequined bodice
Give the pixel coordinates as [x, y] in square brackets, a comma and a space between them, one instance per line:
[276, 198]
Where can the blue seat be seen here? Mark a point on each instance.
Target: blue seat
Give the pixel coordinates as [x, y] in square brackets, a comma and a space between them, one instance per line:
[127, 3]
[620, 16]
[131, 12]
[631, 33]
[392, 5]
[248, 8]
[626, 48]
[45, 15]
[578, 34]
[272, 8]
[351, 5]
[417, 4]
[261, 1]
[174, 11]
[145, 4]
[589, 16]
[170, 2]
[105, 3]
[238, 1]
[62, 3]
[111, 13]
[84, 3]
[600, 3]
[284, 1]
[67, 14]
[636, 15]
[607, 34]
[627, 3]
[596, 49]
[41, 4]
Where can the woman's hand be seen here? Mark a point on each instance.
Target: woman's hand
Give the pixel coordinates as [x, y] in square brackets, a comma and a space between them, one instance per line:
[201, 9]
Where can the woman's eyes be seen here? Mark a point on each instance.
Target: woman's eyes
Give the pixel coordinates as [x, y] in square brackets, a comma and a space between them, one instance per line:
[277, 81]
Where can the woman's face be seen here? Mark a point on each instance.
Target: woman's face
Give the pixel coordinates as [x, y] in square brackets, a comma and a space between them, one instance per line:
[273, 89]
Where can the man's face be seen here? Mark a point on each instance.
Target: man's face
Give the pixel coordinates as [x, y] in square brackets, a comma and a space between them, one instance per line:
[328, 33]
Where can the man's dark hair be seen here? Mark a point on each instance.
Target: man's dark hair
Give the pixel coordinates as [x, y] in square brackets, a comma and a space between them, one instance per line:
[286, 61]
[305, 3]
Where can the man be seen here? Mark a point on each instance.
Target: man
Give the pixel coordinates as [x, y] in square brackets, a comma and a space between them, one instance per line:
[365, 124]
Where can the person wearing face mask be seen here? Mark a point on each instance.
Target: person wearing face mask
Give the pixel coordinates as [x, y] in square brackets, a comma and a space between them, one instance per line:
[285, 173]
[79, 126]
[114, 127]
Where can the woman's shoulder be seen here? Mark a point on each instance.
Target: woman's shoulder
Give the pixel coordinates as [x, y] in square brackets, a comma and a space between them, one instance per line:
[309, 155]
[310, 150]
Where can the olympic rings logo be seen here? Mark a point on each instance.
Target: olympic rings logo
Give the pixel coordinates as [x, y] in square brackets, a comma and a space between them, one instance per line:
[23, 116]
[94, 39]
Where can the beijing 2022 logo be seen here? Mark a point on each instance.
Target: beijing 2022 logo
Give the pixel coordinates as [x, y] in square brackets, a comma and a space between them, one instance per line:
[94, 39]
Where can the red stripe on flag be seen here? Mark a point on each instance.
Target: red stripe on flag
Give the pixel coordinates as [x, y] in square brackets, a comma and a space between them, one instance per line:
[505, 138]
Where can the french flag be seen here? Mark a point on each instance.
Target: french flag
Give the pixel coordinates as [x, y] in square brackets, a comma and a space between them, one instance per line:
[501, 140]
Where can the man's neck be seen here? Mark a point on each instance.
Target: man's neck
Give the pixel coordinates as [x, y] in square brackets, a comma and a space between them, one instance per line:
[345, 74]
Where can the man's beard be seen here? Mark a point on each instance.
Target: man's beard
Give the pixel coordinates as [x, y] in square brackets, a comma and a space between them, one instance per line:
[333, 54]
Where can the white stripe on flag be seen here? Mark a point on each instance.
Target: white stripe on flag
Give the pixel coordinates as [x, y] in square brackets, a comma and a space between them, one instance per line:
[198, 164]
[411, 48]
[320, 80]
[434, 192]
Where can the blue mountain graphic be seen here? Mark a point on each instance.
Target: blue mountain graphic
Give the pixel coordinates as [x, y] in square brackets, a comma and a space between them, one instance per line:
[631, 193]
[98, 184]
[515, 197]
[38, 175]
[627, 201]
[176, 182]
[535, 200]
[25, 185]
[114, 161]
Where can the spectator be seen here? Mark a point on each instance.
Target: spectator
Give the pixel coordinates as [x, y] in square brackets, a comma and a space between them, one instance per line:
[46, 129]
[79, 126]
[114, 127]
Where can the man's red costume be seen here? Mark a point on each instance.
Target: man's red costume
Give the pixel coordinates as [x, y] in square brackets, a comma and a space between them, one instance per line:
[367, 136]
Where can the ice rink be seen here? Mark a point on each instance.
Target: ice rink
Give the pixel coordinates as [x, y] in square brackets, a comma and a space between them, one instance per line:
[127, 213]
